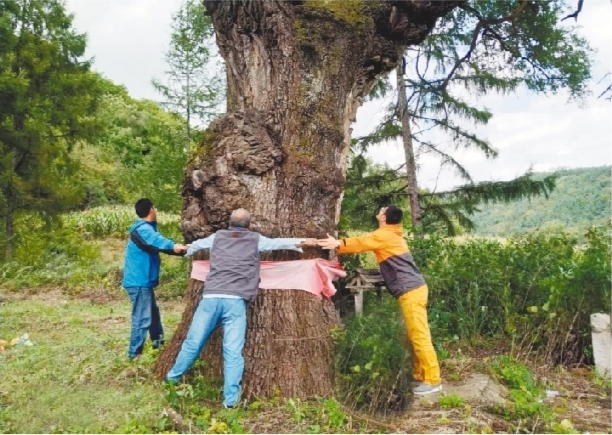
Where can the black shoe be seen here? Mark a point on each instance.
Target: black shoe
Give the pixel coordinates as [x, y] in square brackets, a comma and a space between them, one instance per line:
[157, 344]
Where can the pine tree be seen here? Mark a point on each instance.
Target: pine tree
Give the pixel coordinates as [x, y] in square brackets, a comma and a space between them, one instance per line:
[482, 47]
[193, 87]
[48, 95]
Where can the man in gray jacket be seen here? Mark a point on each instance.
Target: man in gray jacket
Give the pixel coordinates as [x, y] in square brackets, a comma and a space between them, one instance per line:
[232, 283]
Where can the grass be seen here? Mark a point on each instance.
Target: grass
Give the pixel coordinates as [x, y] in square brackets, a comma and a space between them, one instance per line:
[451, 400]
[76, 377]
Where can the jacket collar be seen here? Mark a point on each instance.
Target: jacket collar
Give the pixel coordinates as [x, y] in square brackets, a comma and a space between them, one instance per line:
[394, 228]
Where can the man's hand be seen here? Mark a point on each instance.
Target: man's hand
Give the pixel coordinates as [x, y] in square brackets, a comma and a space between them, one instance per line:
[179, 249]
[329, 243]
[309, 242]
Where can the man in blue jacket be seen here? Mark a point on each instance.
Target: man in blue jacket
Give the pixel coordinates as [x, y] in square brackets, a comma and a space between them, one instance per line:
[141, 276]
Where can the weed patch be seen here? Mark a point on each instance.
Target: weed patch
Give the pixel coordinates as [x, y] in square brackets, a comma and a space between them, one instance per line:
[373, 365]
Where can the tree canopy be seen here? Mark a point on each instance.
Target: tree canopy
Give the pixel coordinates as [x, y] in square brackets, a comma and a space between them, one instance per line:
[48, 98]
[192, 87]
[481, 47]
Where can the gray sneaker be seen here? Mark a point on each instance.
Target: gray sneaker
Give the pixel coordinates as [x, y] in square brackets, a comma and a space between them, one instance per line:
[423, 389]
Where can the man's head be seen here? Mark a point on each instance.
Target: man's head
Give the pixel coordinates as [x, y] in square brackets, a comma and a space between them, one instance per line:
[390, 215]
[240, 218]
[145, 209]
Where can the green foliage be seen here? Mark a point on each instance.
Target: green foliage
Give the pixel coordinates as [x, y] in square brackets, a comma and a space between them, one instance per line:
[70, 252]
[369, 187]
[581, 200]
[193, 88]
[452, 400]
[477, 49]
[515, 374]
[100, 176]
[115, 221]
[48, 97]
[326, 415]
[372, 363]
[525, 394]
[99, 222]
[47, 255]
[453, 209]
[538, 290]
[173, 278]
[151, 145]
[195, 401]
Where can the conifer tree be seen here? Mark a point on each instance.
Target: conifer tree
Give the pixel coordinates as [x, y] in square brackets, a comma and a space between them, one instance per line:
[479, 49]
[47, 96]
[193, 86]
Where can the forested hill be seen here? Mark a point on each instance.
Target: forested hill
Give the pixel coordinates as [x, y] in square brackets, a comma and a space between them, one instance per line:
[580, 200]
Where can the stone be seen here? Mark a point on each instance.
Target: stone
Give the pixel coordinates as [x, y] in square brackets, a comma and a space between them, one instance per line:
[477, 387]
[602, 343]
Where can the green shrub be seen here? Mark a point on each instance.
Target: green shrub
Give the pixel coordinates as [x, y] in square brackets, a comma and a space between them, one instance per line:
[537, 290]
[46, 255]
[468, 284]
[372, 363]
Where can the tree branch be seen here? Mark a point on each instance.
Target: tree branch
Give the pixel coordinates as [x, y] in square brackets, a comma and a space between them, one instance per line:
[482, 22]
[574, 15]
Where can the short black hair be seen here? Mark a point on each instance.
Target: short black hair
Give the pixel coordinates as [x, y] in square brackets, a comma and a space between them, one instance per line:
[143, 207]
[394, 214]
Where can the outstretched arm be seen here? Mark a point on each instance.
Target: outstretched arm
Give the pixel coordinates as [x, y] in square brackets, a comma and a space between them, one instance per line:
[198, 245]
[294, 244]
[352, 245]
[151, 241]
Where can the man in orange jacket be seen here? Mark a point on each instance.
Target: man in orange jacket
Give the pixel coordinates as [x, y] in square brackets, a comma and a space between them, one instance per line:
[405, 282]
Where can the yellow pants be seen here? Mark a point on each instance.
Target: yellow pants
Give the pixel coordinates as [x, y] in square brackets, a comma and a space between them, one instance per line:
[414, 310]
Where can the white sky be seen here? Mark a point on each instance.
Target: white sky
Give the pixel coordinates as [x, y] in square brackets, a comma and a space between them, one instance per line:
[127, 39]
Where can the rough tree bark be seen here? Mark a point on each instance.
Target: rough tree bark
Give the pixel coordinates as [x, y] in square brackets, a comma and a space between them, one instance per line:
[296, 73]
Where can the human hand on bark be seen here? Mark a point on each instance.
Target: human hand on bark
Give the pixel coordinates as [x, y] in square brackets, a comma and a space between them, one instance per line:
[328, 243]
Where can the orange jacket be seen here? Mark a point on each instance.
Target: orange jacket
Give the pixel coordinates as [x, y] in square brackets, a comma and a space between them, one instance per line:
[396, 264]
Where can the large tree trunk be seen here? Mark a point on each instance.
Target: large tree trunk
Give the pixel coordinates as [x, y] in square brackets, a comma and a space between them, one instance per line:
[411, 179]
[296, 73]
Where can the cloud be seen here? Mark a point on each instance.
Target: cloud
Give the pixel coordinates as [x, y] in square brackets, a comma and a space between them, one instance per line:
[127, 38]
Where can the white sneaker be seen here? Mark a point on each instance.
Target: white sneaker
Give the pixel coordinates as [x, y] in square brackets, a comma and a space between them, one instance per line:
[423, 389]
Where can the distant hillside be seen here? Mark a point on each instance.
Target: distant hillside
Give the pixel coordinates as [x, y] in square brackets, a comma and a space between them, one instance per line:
[580, 200]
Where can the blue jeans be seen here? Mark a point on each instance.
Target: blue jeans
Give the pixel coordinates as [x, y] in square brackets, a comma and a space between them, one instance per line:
[231, 313]
[145, 317]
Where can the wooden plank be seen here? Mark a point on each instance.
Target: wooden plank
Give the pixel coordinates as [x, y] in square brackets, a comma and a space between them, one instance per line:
[373, 279]
[359, 303]
[365, 272]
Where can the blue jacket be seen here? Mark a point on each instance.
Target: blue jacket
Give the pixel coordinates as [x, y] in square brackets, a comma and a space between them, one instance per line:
[141, 268]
